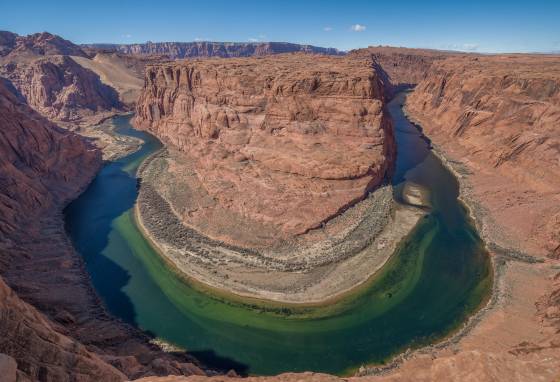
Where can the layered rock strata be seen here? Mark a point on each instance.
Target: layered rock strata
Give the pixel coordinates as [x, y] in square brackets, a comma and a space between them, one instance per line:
[401, 67]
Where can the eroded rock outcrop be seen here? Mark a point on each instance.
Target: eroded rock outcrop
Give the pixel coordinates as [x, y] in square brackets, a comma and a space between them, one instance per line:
[41, 164]
[51, 82]
[59, 88]
[289, 140]
[41, 44]
[39, 351]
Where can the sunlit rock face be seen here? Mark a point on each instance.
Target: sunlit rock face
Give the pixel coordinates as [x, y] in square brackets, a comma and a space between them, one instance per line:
[500, 114]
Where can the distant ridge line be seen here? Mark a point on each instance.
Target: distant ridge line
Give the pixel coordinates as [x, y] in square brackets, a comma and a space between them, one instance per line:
[178, 50]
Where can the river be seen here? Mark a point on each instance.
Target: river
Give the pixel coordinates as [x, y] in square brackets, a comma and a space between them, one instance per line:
[437, 278]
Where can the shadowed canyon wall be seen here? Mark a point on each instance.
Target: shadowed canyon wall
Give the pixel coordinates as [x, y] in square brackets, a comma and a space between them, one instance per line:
[40, 67]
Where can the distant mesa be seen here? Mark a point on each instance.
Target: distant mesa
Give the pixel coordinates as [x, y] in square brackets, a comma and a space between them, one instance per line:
[178, 50]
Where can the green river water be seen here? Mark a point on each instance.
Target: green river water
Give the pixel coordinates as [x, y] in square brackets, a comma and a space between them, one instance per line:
[439, 275]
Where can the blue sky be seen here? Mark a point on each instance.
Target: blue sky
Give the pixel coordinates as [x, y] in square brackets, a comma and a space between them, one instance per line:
[484, 26]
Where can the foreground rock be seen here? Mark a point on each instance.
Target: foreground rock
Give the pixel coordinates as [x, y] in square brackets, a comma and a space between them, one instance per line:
[288, 141]
[37, 351]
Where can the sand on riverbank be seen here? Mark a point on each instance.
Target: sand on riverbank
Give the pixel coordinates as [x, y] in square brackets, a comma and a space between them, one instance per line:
[321, 265]
[112, 145]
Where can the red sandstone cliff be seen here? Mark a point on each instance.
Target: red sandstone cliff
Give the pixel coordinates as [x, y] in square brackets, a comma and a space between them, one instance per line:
[500, 116]
[42, 164]
[41, 44]
[288, 140]
[401, 67]
[52, 83]
[42, 167]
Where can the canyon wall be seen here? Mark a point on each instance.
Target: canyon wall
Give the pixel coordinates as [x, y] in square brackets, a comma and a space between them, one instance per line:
[42, 164]
[41, 68]
[288, 140]
[500, 116]
[38, 44]
[178, 50]
[61, 89]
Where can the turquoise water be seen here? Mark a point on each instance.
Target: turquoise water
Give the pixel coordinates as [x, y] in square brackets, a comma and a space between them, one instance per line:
[438, 276]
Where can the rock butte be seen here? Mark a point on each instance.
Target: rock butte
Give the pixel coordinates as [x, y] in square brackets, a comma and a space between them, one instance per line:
[287, 141]
[495, 118]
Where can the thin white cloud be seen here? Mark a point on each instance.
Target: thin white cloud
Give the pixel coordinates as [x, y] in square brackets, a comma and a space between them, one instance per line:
[127, 35]
[470, 46]
[252, 39]
[198, 39]
[262, 37]
[358, 28]
[327, 29]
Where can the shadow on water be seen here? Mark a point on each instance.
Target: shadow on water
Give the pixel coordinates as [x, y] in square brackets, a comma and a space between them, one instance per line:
[89, 222]
[90, 229]
[210, 357]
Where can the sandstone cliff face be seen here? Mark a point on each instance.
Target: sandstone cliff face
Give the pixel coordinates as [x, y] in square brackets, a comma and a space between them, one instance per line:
[501, 115]
[59, 88]
[41, 163]
[42, 44]
[289, 140]
[41, 168]
[175, 50]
